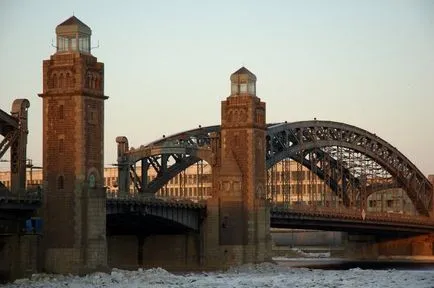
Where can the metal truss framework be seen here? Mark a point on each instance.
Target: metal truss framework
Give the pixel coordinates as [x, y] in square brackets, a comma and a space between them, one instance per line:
[185, 214]
[353, 162]
[14, 129]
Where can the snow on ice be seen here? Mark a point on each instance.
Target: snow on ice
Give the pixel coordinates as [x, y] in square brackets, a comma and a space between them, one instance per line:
[260, 275]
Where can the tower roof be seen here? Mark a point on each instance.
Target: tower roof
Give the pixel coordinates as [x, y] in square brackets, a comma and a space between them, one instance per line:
[243, 73]
[71, 25]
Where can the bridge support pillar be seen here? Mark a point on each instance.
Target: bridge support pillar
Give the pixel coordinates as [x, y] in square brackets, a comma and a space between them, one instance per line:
[237, 227]
[382, 247]
[361, 247]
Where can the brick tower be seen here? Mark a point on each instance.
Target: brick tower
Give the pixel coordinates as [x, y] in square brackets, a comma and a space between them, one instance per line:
[73, 145]
[238, 222]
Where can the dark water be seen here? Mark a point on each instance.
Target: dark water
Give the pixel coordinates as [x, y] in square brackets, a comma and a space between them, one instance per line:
[338, 264]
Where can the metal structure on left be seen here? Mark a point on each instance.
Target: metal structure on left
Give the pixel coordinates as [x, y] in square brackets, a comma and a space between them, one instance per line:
[14, 129]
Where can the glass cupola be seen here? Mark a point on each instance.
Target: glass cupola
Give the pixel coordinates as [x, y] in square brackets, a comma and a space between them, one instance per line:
[243, 82]
[73, 36]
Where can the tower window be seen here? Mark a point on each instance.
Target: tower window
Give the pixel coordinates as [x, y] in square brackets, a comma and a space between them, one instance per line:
[83, 44]
[60, 182]
[243, 88]
[61, 148]
[61, 81]
[60, 112]
[92, 115]
[74, 44]
[62, 43]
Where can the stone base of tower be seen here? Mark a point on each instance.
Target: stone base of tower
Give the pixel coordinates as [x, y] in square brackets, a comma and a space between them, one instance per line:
[87, 252]
[21, 256]
[219, 256]
[71, 260]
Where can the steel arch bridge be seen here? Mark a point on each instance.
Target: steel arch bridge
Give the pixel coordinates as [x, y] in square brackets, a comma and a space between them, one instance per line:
[353, 162]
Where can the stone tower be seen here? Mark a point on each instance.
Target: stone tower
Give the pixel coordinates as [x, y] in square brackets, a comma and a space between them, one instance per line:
[238, 222]
[73, 159]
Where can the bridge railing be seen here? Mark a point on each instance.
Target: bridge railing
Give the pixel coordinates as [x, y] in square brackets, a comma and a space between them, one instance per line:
[352, 214]
[25, 196]
[140, 197]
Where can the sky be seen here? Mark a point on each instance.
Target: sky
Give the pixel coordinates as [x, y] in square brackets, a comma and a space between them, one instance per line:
[167, 64]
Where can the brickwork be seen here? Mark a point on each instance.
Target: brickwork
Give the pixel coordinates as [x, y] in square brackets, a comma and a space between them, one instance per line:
[73, 143]
[171, 252]
[20, 256]
[237, 228]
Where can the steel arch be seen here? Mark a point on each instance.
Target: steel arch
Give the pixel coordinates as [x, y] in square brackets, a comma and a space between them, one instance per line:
[184, 149]
[288, 139]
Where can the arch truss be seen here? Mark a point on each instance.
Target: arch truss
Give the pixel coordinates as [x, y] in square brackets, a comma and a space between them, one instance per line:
[14, 129]
[351, 161]
[168, 156]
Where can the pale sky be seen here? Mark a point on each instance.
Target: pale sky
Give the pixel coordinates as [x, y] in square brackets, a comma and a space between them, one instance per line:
[167, 64]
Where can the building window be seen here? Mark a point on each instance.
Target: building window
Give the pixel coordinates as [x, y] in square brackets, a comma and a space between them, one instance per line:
[60, 182]
[297, 175]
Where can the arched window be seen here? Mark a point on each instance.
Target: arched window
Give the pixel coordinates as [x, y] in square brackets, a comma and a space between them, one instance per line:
[97, 82]
[93, 81]
[61, 81]
[68, 80]
[61, 148]
[89, 80]
[60, 182]
[55, 81]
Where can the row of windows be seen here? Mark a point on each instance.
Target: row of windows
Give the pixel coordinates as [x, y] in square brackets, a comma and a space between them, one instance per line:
[7, 183]
[299, 188]
[390, 203]
[292, 175]
[70, 44]
[186, 192]
[93, 81]
[65, 80]
[179, 179]
[61, 80]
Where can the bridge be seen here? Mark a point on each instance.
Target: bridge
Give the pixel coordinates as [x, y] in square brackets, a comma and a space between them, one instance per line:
[258, 180]
[352, 162]
[341, 155]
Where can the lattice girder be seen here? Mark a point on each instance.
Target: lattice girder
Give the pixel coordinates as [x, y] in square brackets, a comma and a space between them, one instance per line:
[288, 139]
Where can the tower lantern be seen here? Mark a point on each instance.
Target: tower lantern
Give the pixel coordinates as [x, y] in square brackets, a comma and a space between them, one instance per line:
[73, 36]
[243, 82]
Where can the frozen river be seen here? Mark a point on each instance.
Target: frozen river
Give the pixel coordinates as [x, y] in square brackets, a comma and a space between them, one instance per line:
[261, 275]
